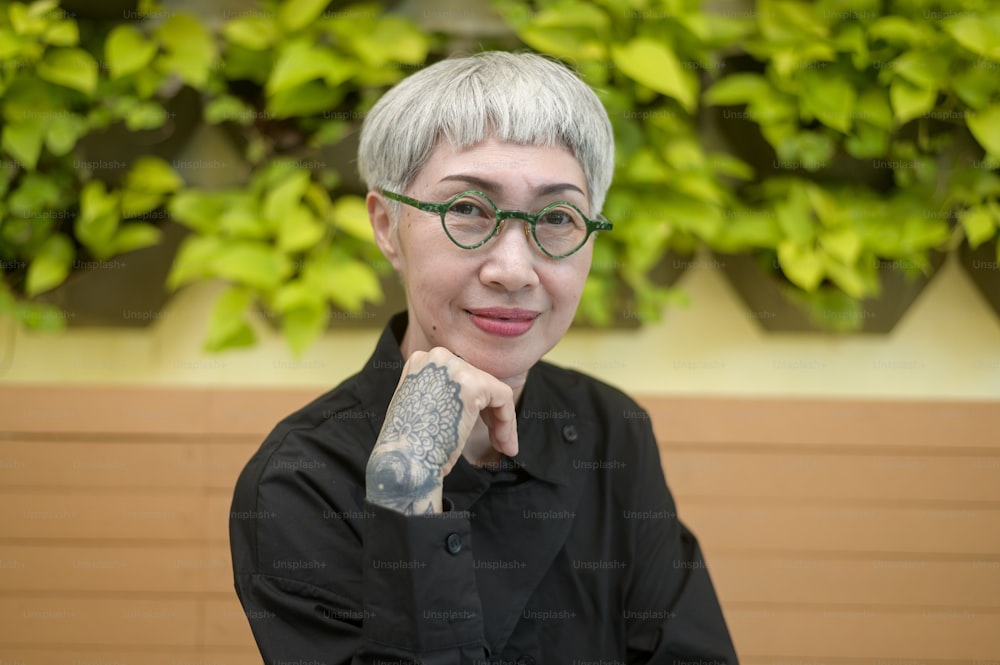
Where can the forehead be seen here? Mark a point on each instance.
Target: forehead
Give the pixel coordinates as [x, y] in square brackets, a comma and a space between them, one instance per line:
[505, 166]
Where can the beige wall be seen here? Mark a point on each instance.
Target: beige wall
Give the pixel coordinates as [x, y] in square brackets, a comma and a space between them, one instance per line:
[947, 346]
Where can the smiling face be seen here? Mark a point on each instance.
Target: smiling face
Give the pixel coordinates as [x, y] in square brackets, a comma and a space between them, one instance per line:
[503, 305]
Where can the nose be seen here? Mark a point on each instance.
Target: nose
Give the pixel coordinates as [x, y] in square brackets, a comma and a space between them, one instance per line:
[511, 256]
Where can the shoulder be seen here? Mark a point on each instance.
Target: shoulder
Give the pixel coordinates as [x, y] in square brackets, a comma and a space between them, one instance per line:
[578, 387]
[328, 437]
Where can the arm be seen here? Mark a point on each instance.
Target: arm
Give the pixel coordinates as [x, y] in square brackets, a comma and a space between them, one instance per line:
[672, 612]
[437, 403]
[325, 575]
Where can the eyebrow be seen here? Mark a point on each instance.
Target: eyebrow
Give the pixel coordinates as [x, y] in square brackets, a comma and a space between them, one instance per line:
[489, 186]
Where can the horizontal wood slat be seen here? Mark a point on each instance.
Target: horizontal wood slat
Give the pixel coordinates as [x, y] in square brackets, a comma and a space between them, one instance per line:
[827, 527]
[886, 581]
[150, 410]
[118, 655]
[115, 568]
[837, 531]
[817, 422]
[133, 463]
[708, 471]
[917, 635]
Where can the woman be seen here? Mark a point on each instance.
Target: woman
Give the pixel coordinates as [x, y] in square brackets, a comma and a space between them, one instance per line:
[458, 500]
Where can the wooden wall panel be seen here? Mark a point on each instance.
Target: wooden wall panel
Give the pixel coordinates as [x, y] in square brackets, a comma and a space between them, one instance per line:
[837, 531]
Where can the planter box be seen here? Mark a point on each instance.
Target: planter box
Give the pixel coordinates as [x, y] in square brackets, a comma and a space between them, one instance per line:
[127, 290]
[772, 302]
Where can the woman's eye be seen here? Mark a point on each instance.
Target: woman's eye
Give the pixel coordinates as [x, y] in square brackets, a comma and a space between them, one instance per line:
[556, 218]
[465, 209]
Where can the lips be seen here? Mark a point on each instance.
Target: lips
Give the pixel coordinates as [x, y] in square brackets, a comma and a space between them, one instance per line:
[503, 321]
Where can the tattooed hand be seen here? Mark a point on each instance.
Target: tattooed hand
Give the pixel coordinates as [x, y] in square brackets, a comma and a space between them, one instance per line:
[437, 403]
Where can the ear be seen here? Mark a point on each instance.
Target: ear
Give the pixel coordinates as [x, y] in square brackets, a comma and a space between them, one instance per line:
[386, 237]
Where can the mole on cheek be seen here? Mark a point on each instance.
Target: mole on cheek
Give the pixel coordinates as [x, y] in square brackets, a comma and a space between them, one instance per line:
[434, 328]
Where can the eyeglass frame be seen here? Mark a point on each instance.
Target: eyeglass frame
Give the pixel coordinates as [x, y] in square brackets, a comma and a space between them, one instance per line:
[593, 225]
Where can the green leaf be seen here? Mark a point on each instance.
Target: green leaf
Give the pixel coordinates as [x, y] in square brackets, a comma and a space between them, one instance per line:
[394, 39]
[136, 235]
[153, 174]
[35, 193]
[194, 260]
[228, 327]
[985, 126]
[50, 265]
[801, 264]
[979, 225]
[63, 131]
[306, 291]
[299, 230]
[975, 86]
[922, 69]
[252, 32]
[737, 89]
[297, 14]
[70, 67]
[200, 211]
[23, 140]
[127, 50]
[844, 244]
[256, 264]
[303, 326]
[847, 277]
[794, 216]
[909, 102]
[898, 30]
[829, 98]
[348, 282]
[302, 61]
[873, 108]
[577, 44]
[98, 220]
[229, 109]
[655, 66]
[283, 198]
[62, 33]
[242, 220]
[190, 49]
[350, 214]
[146, 115]
[310, 98]
[976, 32]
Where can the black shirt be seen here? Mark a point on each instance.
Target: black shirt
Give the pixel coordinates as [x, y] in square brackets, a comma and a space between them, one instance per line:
[571, 552]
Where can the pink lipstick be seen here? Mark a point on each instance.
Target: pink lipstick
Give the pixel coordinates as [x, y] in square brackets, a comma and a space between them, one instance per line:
[503, 321]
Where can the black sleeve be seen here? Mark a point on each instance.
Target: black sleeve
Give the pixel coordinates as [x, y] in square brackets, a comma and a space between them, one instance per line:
[672, 613]
[326, 577]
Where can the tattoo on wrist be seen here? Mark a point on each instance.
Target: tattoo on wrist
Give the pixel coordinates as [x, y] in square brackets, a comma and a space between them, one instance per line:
[418, 438]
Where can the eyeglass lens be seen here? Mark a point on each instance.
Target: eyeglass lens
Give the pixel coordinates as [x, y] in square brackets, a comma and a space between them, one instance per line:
[470, 219]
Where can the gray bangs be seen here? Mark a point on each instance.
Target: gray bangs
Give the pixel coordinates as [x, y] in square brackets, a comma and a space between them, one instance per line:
[516, 98]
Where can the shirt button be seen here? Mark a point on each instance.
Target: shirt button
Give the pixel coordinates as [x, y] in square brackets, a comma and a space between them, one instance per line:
[569, 433]
[525, 660]
[454, 543]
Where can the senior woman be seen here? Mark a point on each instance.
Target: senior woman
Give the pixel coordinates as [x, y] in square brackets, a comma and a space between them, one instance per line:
[459, 500]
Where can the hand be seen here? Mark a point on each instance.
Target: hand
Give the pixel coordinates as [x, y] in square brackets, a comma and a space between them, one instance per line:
[438, 401]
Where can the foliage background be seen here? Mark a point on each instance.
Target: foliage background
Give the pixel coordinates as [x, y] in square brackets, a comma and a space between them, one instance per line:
[826, 86]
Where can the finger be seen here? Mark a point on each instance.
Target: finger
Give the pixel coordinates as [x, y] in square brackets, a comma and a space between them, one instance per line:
[501, 421]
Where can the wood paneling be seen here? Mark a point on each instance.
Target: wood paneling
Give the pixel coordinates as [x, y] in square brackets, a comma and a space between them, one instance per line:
[836, 531]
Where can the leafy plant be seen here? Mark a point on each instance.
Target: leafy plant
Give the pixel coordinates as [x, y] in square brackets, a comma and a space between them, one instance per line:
[54, 214]
[295, 79]
[292, 76]
[844, 94]
[669, 192]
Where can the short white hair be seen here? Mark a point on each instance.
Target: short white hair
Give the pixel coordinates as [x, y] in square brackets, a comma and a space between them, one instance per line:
[520, 98]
